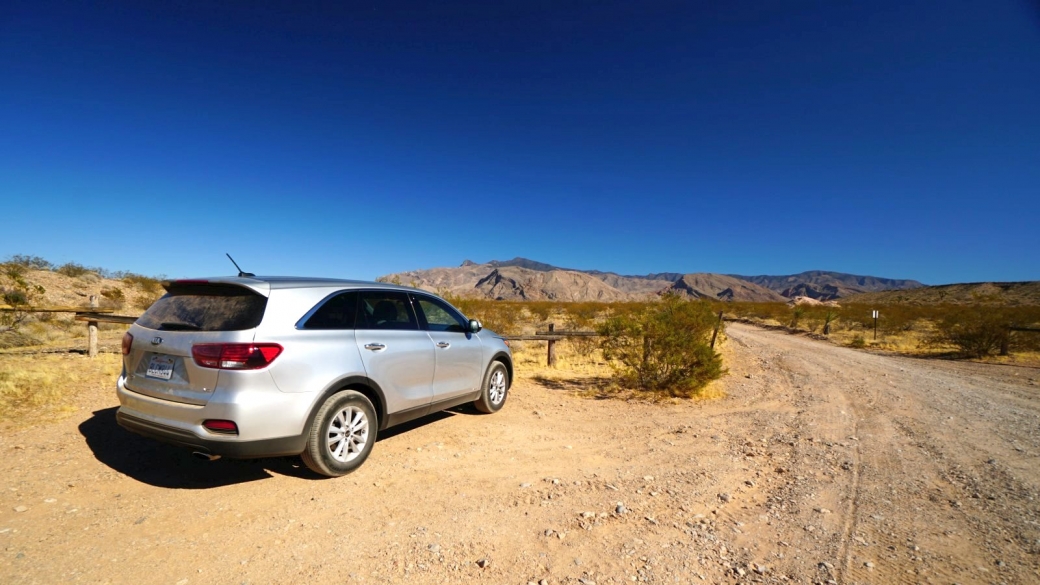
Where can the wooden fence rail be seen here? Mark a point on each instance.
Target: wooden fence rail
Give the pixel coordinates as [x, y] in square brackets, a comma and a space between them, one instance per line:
[92, 314]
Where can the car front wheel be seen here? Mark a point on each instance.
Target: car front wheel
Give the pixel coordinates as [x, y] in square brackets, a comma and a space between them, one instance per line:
[496, 387]
[342, 434]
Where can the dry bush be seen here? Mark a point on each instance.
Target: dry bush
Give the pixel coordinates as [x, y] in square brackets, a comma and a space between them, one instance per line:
[663, 347]
[74, 270]
[113, 297]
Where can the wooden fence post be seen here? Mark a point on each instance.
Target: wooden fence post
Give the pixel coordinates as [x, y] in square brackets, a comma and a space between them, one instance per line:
[92, 330]
[552, 347]
[1005, 341]
[716, 332]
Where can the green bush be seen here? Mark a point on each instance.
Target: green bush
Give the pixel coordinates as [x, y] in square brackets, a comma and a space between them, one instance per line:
[663, 347]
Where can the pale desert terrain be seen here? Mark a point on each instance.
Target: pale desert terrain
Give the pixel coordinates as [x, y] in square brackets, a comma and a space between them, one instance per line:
[820, 464]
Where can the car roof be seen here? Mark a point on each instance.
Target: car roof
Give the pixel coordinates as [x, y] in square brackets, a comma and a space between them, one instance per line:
[285, 282]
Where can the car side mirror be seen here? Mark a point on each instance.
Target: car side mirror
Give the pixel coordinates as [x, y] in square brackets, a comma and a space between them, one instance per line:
[475, 326]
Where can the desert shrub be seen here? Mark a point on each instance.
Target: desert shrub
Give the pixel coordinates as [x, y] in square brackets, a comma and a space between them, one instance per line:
[113, 297]
[663, 347]
[858, 342]
[148, 284]
[976, 331]
[17, 292]
[30, 262]
[779, 312]
[540, 310]
[73, 270]
[502, 317]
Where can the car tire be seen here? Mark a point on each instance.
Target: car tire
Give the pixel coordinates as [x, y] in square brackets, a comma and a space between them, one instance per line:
[494, 389]
[342, 434]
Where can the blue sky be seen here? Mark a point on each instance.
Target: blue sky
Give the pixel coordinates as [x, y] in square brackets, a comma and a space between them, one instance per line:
[897, 139]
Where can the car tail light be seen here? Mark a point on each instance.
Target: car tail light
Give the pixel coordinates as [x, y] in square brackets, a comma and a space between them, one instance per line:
[128, 342]
[223, 427]
[235, 356]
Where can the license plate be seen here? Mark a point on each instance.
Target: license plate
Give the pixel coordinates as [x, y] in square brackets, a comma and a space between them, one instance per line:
[161, 367]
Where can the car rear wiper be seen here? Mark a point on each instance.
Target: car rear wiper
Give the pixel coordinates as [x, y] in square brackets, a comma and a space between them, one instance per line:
[172, 326]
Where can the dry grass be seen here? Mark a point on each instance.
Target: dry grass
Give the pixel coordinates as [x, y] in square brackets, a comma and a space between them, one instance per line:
[40, 386]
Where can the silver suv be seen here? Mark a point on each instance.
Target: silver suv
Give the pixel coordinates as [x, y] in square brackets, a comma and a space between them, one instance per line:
[260, 367]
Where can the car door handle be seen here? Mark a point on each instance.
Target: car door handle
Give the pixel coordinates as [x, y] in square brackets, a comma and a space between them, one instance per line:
[443, 344]
[375, 346]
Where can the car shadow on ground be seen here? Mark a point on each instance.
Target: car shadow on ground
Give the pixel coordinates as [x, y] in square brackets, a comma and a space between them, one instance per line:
[166, 466]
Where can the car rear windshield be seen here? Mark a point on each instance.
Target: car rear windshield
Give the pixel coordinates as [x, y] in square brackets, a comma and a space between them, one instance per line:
[205, 307]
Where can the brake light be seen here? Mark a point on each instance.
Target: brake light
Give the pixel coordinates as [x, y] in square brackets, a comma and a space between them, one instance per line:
[224, 427]
[235, 356]
[128, 342]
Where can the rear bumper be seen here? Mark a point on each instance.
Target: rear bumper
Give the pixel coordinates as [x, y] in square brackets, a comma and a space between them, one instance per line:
[226, 448]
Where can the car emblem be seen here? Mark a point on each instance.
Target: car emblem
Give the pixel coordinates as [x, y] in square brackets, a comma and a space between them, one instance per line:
[156, 340]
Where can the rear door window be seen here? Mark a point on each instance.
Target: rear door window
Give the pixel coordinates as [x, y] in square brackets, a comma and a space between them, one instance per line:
[336, 313]
[386, 310]
[205, 307]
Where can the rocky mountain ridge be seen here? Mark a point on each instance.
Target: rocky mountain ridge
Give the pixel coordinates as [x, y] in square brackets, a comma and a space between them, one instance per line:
[524, 279]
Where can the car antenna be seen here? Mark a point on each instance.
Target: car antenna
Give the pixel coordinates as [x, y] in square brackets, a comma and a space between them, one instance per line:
[240, 273]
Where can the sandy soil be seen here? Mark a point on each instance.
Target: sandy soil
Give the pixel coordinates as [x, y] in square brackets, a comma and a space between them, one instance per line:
[822, 464]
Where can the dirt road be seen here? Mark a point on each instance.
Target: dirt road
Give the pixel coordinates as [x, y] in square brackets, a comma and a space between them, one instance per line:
[821, 464]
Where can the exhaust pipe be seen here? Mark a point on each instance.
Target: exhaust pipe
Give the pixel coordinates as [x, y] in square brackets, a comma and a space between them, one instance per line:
[206, 456]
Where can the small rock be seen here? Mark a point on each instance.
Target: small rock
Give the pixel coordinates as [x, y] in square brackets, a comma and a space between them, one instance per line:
[588, 514]
[20, 508]
[525, 484]
[543, 582]
[826, 566]
[760, 569]
[725, 497]
[620, 509]
[823, 510]
[648, 478]
[50, 501]
[586, 581]
[483, 563]
[868, 565]
[434, 548]
[748, 376]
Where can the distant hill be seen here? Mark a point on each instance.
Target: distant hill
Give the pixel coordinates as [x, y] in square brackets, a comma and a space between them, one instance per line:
[825, 286]
[724, 288]
[1025, 293]
[524, 279]
[513, 283]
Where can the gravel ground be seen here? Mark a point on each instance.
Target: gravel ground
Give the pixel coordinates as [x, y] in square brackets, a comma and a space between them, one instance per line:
[822, 464]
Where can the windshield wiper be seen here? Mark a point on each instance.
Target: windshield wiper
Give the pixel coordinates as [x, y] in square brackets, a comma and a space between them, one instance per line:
[172, 326]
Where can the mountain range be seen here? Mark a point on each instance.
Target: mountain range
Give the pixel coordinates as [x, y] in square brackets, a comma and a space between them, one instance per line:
[524, 279]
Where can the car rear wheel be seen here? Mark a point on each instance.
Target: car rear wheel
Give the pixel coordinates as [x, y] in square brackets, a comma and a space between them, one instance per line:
[494, 390]
[342, 434]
